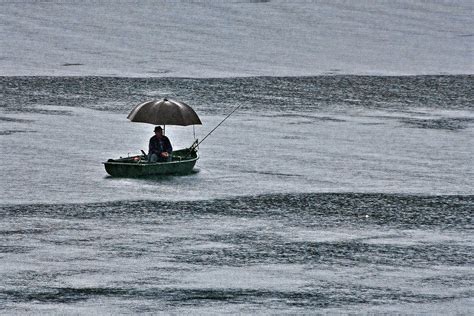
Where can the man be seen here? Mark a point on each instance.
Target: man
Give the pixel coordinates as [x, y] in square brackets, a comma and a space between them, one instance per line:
[160, 147]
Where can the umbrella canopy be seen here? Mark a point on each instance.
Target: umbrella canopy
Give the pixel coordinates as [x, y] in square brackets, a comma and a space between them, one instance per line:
[164, 112]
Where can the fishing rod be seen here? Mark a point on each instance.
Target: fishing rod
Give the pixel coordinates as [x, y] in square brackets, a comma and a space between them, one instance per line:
[196, 143]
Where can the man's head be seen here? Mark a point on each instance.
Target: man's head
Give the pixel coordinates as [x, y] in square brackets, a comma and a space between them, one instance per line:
[158, 131]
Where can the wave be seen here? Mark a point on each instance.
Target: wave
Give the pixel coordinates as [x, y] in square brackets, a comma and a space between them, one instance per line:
[378, 209]
[338, 294]
[257, 94]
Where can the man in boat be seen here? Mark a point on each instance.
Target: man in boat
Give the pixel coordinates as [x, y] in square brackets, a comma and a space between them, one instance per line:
[160, 148]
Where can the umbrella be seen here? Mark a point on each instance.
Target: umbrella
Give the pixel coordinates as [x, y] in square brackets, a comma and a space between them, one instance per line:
[164, 112]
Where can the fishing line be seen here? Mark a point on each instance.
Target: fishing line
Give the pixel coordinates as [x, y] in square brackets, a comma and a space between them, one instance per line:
[218, 125]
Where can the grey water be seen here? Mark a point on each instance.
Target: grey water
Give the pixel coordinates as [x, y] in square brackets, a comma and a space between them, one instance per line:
[326, 194]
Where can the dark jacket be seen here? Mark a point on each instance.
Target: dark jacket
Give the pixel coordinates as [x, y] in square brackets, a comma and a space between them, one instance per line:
[159, 145]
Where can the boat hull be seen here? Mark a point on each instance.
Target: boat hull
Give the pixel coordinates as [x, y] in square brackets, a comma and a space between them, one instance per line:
[182, 163]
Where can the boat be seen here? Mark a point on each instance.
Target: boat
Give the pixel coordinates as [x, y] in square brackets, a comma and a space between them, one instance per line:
[162, 112]
[182, 163]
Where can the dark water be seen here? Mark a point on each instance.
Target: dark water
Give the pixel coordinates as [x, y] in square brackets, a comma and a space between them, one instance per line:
[256, 93]
[339, 194]
[275, 253]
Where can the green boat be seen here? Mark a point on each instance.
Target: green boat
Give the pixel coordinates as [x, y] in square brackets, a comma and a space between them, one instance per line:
[163, 112]
[182, 162]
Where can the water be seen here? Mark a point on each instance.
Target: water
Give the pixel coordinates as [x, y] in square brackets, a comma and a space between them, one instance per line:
[275, 253]
[235, 38]
[314, 134]
[326, 194]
